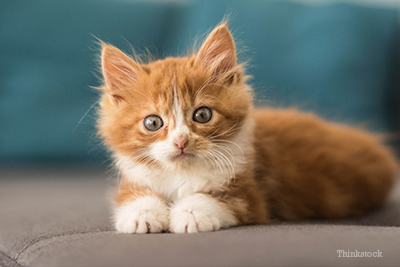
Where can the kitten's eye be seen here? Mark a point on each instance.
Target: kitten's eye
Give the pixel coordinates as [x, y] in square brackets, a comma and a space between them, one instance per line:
[153, 123]
[202, 115]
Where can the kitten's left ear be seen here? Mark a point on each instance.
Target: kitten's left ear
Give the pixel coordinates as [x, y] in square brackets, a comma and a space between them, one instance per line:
[118, 69]
[218, 51]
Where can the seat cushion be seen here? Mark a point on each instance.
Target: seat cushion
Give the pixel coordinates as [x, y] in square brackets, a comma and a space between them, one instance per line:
[62, 217]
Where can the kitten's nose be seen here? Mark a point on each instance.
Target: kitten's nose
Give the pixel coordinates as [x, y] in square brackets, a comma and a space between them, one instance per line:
[181, 141]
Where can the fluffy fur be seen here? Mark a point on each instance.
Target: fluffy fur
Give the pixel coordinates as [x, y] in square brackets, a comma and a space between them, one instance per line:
[240, 167]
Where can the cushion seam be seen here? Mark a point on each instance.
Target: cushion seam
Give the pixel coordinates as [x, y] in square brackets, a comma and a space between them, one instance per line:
[45, 237]
[10, 258]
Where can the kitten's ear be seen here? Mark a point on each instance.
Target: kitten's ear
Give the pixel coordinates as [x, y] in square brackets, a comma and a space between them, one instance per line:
[118, 69]
[218, 51]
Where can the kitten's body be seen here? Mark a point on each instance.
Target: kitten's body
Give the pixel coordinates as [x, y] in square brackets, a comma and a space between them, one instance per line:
[312, 168]
[184, 173]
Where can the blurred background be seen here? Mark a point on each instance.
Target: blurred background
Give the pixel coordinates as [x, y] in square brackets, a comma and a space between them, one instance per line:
[339, 59]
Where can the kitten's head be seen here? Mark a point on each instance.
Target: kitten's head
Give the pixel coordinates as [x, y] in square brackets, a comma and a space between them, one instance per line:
[176, 112]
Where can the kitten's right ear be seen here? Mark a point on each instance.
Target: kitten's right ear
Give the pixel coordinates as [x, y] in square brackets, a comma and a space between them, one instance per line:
[118, 69]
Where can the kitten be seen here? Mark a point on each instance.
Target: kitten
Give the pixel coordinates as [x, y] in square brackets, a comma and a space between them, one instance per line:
[194, 155]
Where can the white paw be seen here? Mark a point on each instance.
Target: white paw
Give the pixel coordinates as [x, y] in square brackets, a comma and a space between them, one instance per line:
[200, 213]
[147, 214]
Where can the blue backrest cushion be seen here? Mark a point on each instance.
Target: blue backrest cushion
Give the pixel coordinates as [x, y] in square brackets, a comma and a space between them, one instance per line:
[337, 60]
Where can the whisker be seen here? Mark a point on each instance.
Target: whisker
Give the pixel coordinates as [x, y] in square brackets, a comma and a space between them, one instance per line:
[230, 164]
[207, 155]
[230, 130]
[214, 159]
[230, 142]
[222, 163]
[84, 115]
[204, 85]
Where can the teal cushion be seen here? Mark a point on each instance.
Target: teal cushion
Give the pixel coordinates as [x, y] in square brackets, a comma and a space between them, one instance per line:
[336, 60]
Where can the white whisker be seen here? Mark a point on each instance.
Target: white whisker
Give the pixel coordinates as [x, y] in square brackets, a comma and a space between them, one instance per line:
[84, 115]
[227, 132]
[219, 141]
[230, 167]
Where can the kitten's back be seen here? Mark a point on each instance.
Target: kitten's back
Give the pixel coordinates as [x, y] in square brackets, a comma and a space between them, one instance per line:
[313, 168]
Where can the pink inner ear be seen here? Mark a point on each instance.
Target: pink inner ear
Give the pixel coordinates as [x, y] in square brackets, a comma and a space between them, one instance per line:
[218, 50]
[118, 69]
[124, 70]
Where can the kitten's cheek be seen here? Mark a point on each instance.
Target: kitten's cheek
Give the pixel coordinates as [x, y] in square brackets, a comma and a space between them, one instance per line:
[157, 151]
[200, 213]
[147, 214]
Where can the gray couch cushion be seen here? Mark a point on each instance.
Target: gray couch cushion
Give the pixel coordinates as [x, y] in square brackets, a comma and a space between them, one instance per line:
[62, 218]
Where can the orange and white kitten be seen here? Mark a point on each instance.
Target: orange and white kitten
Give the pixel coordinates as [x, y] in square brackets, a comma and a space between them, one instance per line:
[195, 156]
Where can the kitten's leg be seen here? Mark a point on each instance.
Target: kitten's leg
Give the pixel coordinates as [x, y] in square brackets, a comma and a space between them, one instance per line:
[242, 203]
[201, 213]
[140, 210]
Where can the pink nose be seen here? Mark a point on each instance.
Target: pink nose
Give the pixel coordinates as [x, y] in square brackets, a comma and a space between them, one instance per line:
[181, 141]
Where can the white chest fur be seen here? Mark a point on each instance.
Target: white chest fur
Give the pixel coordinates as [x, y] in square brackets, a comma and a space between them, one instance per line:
[175, 185]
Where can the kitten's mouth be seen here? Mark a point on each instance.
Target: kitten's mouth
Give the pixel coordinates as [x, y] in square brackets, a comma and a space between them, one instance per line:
[182, 156]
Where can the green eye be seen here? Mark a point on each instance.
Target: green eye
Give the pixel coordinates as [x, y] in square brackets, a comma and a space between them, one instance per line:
[202, 115]
[153, 123]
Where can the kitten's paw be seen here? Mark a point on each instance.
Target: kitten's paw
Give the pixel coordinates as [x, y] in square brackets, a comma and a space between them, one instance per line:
[200, 213]
[147, 214]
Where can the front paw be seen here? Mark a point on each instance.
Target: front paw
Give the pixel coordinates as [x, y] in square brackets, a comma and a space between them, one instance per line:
[147, 214]
[200, 213]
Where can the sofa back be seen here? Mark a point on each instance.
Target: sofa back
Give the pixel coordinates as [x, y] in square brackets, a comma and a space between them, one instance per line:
[338, 59]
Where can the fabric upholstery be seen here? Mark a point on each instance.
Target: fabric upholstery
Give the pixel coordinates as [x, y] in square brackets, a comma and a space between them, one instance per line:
[63, 218]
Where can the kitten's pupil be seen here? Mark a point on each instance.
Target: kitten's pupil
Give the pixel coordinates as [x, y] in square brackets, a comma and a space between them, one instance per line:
[202, 115]
[153, 123]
